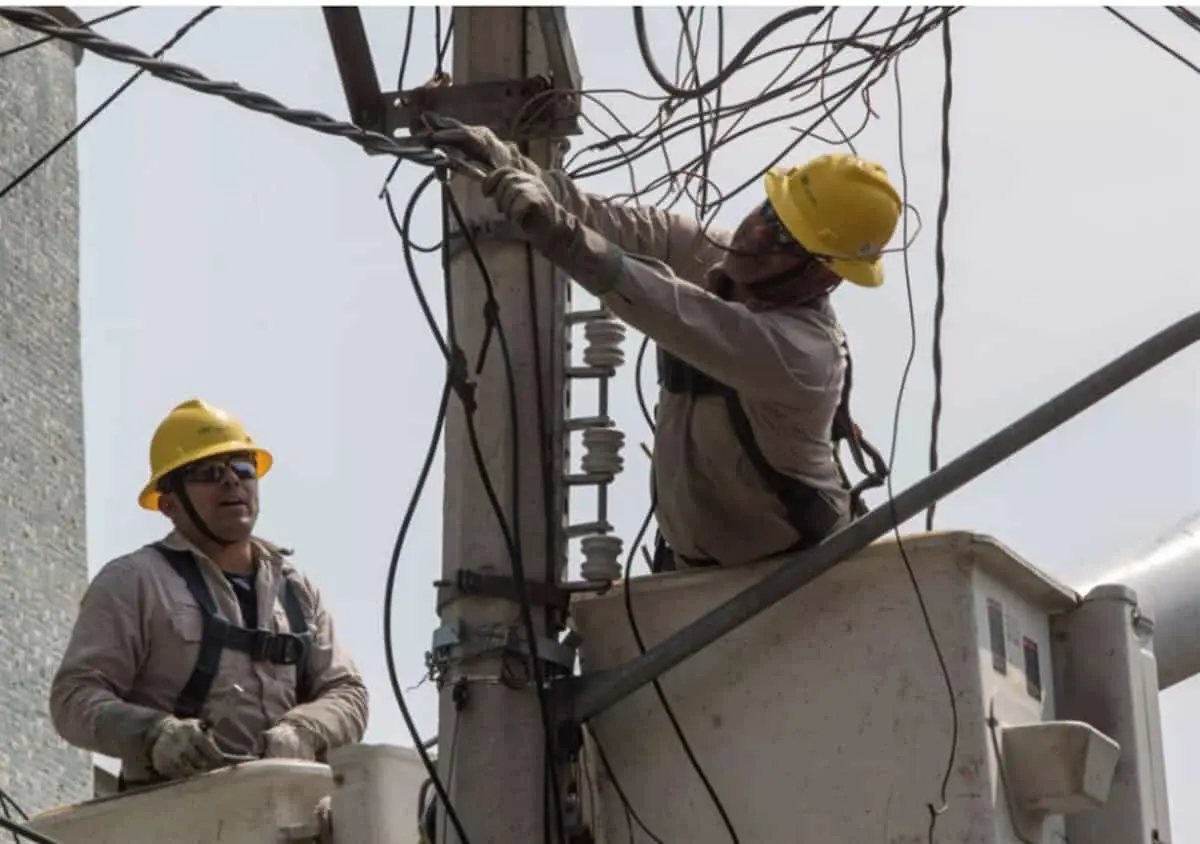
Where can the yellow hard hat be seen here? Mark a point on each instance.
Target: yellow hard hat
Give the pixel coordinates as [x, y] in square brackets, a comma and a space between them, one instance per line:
[840, 208]
[193, 431]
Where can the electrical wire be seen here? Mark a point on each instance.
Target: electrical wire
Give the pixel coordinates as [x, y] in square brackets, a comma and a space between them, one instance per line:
[23, 832]
[46, 39]
[41, 160]
[715, 798]
[7, 807]
[39, 21]
[630, 813]
[389, 590]
[937, 811]
[939, 249]
[643, 43]
[1156, 41]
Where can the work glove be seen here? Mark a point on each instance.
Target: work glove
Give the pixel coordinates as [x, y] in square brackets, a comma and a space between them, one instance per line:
[475, 142]
[287, 741]
[560, 236]
[181, 747]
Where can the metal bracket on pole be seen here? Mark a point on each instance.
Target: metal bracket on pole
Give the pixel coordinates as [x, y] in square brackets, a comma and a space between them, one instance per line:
[456, 643]
[515, 109]
[539, 107]
[470, 582]
[593, 693]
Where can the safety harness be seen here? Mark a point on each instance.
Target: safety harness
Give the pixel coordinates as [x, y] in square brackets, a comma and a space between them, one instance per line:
[219, 635]
[811, 515]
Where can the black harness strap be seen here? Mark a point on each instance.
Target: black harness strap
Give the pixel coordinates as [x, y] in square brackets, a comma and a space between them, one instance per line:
[811, 515]
[218, 635]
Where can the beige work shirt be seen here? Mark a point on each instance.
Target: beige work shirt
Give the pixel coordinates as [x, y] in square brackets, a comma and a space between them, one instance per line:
[135, 643]
[787, 365]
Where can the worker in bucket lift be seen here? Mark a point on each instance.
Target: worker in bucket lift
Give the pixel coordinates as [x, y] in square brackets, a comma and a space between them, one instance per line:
[754, 370]
[209, 645]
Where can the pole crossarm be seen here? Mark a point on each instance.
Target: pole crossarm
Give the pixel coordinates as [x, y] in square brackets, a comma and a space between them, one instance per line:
[593, 693]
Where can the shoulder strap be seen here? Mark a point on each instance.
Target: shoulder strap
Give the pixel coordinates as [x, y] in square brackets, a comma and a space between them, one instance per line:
[808, 512]
[298, 625]
[218, 634]
[212, 640]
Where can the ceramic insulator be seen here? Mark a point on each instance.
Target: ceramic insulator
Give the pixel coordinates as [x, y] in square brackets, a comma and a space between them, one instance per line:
[602, 451]
[604, 340]
[601, 558]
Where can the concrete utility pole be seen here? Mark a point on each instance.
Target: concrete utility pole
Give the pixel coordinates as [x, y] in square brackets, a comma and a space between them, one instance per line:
[492, 741]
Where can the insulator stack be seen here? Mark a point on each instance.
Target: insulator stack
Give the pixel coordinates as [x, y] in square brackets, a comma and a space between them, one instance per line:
[602, 460]
[604, 340]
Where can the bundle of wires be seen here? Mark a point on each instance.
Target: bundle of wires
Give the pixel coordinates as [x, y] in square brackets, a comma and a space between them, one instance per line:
[686, 112]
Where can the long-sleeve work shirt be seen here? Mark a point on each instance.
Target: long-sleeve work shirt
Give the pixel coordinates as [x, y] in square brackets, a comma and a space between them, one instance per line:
[136, 641]
[787, 364]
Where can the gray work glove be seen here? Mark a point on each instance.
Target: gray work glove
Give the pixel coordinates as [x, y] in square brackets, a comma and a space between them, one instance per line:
[287, 741]
[182, 748]
[477, 143]
[561, 237]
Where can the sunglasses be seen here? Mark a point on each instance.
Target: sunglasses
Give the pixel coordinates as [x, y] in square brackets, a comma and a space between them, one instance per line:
[211, 473]
[783, 237]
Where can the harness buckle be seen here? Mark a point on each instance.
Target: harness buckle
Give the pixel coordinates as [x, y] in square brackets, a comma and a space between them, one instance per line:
[277, 648]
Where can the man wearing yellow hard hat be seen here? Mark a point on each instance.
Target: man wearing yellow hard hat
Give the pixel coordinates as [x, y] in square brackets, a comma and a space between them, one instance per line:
[754, 370]
[208, 646]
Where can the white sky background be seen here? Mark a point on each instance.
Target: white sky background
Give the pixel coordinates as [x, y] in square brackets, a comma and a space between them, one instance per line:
[229, 255]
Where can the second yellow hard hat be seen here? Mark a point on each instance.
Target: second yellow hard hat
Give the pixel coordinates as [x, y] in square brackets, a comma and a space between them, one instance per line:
[840, 208]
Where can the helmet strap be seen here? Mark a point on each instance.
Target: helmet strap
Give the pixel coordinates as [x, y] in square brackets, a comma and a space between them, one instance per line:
[177, 486]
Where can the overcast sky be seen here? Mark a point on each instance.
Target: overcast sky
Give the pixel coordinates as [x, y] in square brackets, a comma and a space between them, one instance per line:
[229, 255]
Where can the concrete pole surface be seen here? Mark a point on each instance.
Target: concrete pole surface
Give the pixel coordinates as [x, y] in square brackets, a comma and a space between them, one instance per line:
[492, 744]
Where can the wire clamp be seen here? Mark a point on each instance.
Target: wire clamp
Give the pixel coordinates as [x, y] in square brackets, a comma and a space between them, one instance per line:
[471, 583]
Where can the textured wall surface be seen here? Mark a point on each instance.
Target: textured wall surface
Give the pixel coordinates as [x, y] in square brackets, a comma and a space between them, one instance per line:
[43, 564]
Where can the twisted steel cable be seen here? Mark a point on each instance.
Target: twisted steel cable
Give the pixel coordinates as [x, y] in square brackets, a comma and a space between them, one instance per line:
[39, 21]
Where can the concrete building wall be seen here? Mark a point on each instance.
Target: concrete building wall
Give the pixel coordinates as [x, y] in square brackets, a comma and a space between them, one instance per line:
[43, 560]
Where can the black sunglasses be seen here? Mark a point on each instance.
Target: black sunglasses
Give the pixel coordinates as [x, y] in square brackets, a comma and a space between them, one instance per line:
[783, 238]
[211, 473]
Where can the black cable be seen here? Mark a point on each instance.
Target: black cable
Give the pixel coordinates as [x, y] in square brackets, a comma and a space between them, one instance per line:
[630, 812]
[419, 744]
[771, 92]
[934, 811]
[939, 306]
[389, 591]
[46, 39]
[658, 689]
[441, 43]
[7, 807]
[876, 64]
[18, 830]
[739, 58]
[108, 101]
[1155, 41]
[408, 37]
